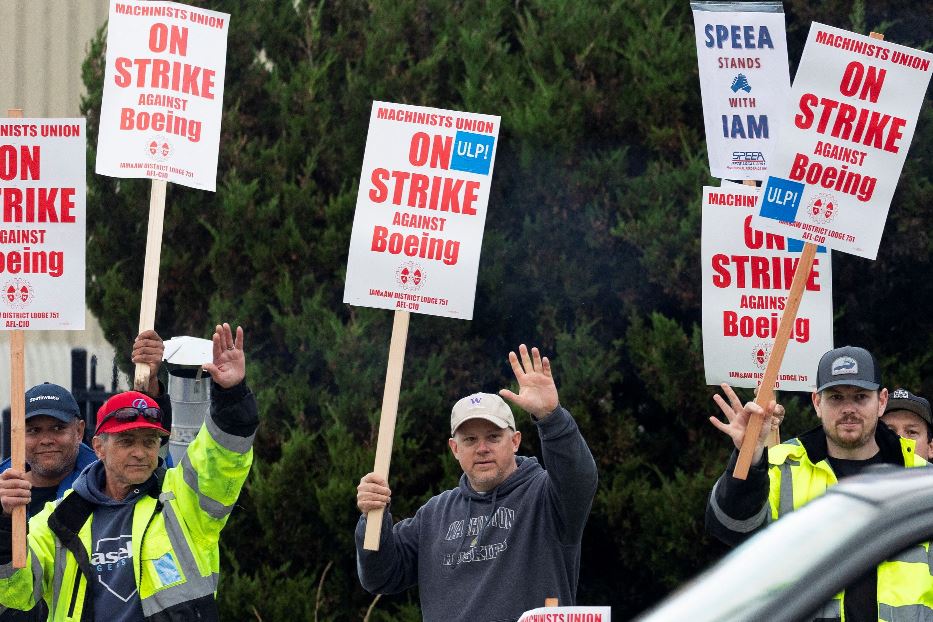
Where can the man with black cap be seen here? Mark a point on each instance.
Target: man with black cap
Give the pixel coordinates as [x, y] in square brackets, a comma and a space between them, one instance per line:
[509, 535]
[910, 417]
[849, 401]
[54, 452]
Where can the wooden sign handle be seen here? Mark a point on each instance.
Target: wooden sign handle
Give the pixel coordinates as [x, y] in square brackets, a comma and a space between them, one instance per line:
[774, 437]
[147, 303]
[18, 437]
[387, 420]
[766, 389]
[18, 420]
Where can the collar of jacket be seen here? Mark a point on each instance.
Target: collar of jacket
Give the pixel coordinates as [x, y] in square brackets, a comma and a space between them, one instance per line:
[889, 444]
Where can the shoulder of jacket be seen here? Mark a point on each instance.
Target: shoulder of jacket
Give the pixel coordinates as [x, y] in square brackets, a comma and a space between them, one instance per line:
[788, 450]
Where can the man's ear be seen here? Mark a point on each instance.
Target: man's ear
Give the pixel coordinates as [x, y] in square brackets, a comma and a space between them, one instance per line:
[81, 425]
[452, 443]
[516, 441]
[882, 401]
[98, 445]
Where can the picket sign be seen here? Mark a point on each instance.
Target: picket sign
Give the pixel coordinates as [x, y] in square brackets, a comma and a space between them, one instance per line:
[18, 420]
[445, 158]
[387, 420]
[766, 389]
[161, 113]
[551, 612]
[147, 303]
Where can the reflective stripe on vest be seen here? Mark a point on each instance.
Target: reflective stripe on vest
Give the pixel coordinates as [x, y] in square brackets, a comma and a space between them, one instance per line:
[916, 554]
[786, 503]
[831, 611]
[732, 524]
[194, 586]
[230, 442]
[212, 507]
[60, 560]
[36, 576]
[905, 613]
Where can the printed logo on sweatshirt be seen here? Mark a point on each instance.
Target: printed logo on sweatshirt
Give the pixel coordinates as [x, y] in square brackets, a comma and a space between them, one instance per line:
[111, 560]
[480, 528]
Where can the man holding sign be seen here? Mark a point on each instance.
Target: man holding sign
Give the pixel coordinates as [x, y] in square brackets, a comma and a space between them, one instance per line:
[133, 541]
[55, 454]
[849, 401]
[509, 535]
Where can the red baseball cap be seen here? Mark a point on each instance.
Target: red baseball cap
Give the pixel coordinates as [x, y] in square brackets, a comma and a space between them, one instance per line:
[148, 414]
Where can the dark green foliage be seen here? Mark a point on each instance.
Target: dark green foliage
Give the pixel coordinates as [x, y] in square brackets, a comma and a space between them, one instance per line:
[591, 251]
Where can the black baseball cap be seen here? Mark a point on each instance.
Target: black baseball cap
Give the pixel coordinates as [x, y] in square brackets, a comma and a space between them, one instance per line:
[902, 399]
[52, 400]
[848, 365]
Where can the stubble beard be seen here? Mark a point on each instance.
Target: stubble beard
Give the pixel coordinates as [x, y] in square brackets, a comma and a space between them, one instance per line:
[848, 442]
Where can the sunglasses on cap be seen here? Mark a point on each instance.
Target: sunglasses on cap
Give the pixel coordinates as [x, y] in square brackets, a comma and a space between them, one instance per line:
[132, 413]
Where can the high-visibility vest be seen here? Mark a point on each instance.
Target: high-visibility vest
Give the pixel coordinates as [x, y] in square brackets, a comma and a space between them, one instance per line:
[905, 582]
[176, 558]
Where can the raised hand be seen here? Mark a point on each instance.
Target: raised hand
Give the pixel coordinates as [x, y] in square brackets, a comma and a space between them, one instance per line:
[738, 416]
[148, 349]
[229, 366]
[537, 393]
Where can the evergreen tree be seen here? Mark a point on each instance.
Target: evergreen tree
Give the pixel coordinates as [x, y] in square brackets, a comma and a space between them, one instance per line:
[591, 252]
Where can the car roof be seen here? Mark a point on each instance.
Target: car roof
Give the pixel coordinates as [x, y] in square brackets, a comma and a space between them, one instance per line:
[854, 526]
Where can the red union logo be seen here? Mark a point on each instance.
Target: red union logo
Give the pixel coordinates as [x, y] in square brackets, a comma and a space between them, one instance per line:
[19, 293]
[823, 208]
[158, 148]
[410, 276]
[760, 355]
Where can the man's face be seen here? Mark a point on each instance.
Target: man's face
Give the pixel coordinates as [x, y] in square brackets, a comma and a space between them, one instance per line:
[486, 453]
[909, 425]
[849, 415]
[52, 448]
[129, 457]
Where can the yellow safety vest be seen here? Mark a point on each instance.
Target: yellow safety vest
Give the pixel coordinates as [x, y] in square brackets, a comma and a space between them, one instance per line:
[176, 557]
[905, 583]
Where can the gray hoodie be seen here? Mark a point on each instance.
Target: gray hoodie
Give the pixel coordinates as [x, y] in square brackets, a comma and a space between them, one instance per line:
[491, 556]
[113, 583]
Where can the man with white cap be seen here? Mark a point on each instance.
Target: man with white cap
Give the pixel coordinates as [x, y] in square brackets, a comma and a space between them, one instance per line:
[849, 400]
[509, 535]
[910, 417]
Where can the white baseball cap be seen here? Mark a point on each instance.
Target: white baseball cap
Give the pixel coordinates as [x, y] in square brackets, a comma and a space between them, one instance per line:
[481, 406]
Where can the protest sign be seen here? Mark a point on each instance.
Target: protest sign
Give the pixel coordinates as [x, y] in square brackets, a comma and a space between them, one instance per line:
[746, 277]
[417, 232]
[163, 92]
[421, 208]
[568, 614]
[161, 111]
[855, 104]
[744, 83]
[42, 239]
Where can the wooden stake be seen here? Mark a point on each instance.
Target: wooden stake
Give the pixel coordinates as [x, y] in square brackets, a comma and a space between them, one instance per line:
[774, 437]
[18, 438]
[147, 304]
[766, 390]
[387, 420]
[18, 421]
